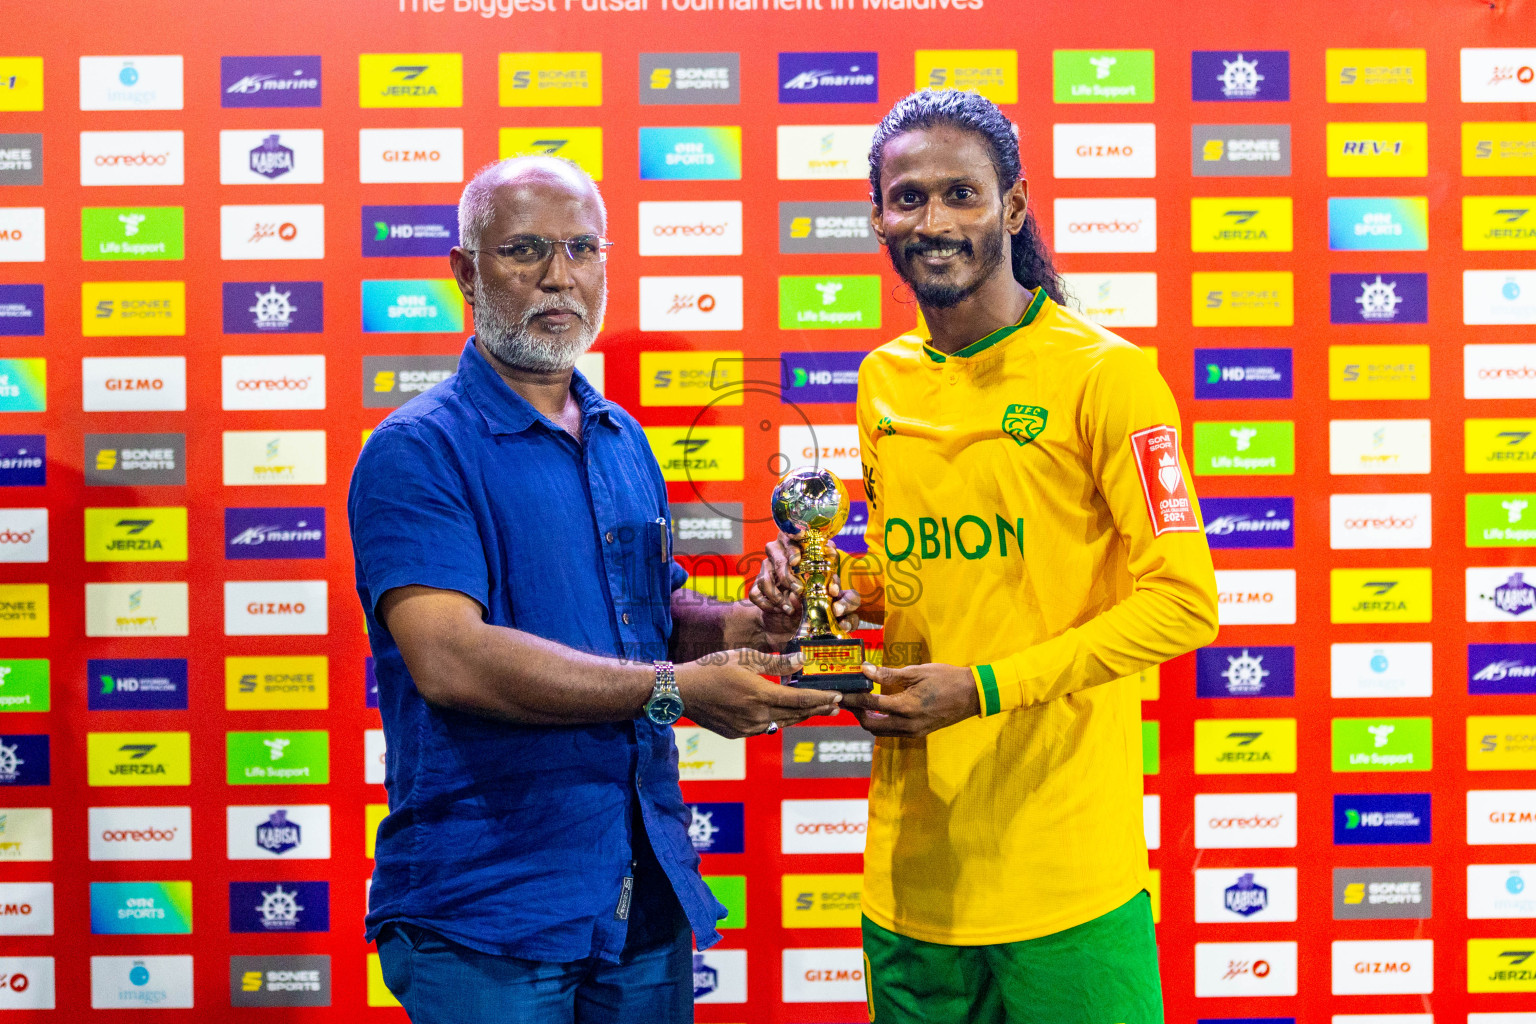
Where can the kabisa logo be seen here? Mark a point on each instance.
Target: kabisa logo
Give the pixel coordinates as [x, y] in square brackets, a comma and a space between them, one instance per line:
[410, 230]
[705, 978]
[837, 77]
[136, 684]
[1241, 75]
[1245, 897]
[716, 827]
[1509, 599]
[1374, 299]
[390, 381]
[270, 158]
[1245, 672]
[261, 533]
[279, 907]
[23, 460]
[24, 760]
[278, 835]
[1242, 373]
[269, 81]
[675, 78]
[1249, 522]
[273, 307]
[1501, 668]
[1374, 819]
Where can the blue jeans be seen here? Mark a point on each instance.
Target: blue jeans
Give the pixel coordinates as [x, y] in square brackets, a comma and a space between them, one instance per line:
[442, 982]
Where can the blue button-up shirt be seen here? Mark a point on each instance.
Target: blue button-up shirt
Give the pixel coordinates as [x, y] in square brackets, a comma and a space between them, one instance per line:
[515, 839]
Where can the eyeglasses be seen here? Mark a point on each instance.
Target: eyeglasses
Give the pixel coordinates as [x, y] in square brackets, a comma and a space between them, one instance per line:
[532, 250]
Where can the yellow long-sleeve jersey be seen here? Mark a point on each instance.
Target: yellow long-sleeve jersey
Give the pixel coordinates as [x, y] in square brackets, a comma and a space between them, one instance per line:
[1030, 516]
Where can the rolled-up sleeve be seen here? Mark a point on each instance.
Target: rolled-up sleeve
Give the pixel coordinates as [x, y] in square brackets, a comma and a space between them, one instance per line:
[410, 519]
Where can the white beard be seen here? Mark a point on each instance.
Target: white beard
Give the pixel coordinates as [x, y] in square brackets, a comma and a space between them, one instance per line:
[507, 337]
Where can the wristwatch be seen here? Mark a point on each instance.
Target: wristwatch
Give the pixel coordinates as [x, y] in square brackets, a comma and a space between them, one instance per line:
[666, 704]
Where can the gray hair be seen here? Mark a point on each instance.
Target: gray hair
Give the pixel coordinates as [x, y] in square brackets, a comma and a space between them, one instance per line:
[477, 207]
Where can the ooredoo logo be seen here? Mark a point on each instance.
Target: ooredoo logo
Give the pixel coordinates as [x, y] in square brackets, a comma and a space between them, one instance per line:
[1245, 820]
[1106, 225]
[824, 826]
[1499, 371]
[140, 833]
[132, 158]
[690, 229]
[274, 382]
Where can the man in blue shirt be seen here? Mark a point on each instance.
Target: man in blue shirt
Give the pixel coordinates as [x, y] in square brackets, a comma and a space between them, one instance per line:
[510, 529]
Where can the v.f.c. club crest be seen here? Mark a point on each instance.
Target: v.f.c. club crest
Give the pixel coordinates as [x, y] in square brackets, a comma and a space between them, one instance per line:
[1024, 423]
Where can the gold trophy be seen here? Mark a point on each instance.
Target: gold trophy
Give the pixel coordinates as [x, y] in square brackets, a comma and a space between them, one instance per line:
[814, 503]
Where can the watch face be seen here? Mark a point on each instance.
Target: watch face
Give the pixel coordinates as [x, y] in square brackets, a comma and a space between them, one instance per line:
[664, 709]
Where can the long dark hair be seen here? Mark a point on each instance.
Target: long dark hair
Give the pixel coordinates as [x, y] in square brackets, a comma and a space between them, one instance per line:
[972, 112]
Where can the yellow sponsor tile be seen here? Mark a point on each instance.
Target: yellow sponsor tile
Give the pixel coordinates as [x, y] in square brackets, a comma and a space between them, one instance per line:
[1500, 445]
[1376, 76]
[378, 992]
[277, 683]
[992, 73]
[1378, 149]
[1498, 149]
[721, 588]
[1155, 890]
[1380, 595]
[1240, 224]
[410, 80]
[1243, 299]
[372, 815]
[1501, 743]
[21, 83]
[822, 901]
[138, 758]
[154, 534]
[690, 378]
[1378, 372]
[582, 146]
[1245, 746]
[550, 79]
[23, 609]
[1498, 222]
[698, 453]
[1501, 965]
[125, 309]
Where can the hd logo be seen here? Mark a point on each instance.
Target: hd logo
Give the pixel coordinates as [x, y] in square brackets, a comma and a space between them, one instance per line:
[138, 759]
[410, 80]
[550, 79]
[136, 534]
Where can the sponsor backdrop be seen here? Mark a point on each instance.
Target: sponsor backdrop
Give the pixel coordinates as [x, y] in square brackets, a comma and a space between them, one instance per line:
[222, 262]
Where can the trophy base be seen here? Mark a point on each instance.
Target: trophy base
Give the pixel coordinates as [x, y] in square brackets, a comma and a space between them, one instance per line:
[831, 663]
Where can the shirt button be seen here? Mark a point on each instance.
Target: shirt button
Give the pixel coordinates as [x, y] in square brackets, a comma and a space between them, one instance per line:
[608, 536]
[625, 617]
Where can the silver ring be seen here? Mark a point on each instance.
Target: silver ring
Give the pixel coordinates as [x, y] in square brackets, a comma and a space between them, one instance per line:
[773, 727]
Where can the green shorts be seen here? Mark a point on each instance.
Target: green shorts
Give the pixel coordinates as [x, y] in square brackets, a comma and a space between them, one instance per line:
[1103, 971]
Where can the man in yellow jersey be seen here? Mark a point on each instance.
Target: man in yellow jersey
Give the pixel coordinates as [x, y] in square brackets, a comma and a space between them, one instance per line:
[1035, 541]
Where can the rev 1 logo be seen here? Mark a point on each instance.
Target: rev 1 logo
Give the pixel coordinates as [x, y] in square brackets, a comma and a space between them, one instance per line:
[836, 77]
[1377, 819]
[136, 684]
[410, 230]
[1245, 672]
[1242, 373]
[717, 827]
[269, 81]
[827, 752]
[259, 533]
[1249, 522]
